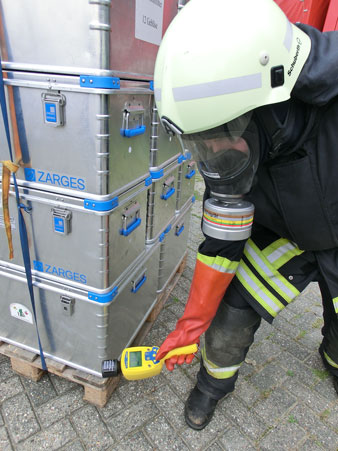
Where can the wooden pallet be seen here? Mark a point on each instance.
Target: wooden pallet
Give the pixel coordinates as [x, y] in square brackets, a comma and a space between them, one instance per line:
[97, 390]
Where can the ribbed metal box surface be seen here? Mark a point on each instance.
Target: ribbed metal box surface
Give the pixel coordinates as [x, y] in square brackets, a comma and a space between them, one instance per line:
[85, 36]
[164, 147]
[174, 245]
[75, 329]
[79, 242]
[162, 199]
[79, 140]
[186, 182]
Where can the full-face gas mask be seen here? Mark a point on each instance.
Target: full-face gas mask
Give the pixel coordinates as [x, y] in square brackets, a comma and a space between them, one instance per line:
[205, 79]
[227, 157]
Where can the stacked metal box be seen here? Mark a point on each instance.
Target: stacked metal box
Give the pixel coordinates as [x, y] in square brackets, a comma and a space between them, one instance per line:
[109, 193]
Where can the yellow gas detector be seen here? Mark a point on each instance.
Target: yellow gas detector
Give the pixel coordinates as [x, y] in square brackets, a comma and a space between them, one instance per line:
[140, 362]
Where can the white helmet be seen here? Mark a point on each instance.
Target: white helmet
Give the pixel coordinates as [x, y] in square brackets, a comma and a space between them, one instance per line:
[222, 58]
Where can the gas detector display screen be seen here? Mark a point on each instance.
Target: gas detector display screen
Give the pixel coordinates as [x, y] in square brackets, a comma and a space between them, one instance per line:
[135, 359]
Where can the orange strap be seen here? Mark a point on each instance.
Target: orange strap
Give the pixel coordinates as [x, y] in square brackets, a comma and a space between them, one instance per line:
[8, 167]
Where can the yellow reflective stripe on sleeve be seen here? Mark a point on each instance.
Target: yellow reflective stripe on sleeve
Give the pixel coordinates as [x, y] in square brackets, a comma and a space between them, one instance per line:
[217, 372]
[280, 252]
[330, 361]
[335, 305]
[285, 289]
[218, 263]
[258, 291]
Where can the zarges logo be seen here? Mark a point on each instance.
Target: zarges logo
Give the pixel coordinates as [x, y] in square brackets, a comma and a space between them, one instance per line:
[59, 272]
[64, 181]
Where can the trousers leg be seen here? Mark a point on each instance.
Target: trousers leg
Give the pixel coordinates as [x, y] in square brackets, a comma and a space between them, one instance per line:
[227, 342]
[329, 346]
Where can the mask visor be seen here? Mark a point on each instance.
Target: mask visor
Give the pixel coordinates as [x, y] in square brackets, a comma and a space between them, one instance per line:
[222, 152]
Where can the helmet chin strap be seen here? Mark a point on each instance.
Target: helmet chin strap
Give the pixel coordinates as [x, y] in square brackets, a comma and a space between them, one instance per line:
[170, 127]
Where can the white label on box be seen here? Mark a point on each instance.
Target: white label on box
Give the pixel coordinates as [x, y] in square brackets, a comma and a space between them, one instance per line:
[21, 312]
[149, 20]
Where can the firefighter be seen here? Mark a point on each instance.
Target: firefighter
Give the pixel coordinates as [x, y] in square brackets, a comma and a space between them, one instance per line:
[254, 99]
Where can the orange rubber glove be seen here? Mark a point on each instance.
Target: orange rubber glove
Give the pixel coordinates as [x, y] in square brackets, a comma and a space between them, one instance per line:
[206, 292]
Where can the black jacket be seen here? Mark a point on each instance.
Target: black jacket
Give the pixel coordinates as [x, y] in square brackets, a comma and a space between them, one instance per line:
[296, 194]
[296, 189]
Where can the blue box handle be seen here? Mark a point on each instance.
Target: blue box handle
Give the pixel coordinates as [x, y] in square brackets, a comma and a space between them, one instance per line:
[130, 133]
[131, 228]
[139, 284]
[191, 174]
[169, 194]
[179, 231]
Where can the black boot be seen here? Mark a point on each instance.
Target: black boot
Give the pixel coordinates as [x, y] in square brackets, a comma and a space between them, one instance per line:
[328, 366]
[199, 409]
[335, 383]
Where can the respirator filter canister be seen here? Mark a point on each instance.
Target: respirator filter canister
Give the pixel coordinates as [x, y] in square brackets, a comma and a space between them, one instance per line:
[230, 221]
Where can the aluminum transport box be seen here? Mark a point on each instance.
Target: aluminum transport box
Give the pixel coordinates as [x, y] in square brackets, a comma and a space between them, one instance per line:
[85, 37]
[75, 329]
[77, 139]
[162, 199]
[174, 245]
[79, 242]
[186, 181]
[164, 147]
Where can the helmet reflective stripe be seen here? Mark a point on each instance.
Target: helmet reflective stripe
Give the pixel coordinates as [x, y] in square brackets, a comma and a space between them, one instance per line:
[218, 88]
[216, 58]
[157, 93]
[288, 36]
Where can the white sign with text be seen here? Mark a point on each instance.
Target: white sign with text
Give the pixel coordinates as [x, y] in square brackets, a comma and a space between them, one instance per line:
[149, 20]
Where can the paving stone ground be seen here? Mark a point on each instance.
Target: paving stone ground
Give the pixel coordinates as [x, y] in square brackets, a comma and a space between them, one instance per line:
[284, 399]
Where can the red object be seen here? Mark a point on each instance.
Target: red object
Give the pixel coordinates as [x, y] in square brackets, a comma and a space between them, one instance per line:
[331, 21]
[310, 12]
[206, 292]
